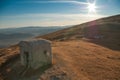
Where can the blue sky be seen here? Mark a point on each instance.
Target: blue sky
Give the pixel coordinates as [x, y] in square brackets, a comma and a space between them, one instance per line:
[20, 13]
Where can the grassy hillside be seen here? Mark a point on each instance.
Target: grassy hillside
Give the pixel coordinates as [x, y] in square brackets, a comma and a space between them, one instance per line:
[103, 31]
[106, 27]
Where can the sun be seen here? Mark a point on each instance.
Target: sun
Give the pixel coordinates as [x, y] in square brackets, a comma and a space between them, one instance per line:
[91, 8]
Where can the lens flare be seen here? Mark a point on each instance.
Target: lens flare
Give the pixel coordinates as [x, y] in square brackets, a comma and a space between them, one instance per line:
[91, 8]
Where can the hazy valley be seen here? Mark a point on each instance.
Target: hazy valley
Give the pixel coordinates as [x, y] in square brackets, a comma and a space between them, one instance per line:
[11, 36]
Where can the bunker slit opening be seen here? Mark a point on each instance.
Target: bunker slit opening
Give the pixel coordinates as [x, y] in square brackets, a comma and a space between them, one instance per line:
[27, 58]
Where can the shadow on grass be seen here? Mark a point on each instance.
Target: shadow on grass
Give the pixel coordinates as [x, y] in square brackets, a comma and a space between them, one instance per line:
[41, 70]
[113, 45]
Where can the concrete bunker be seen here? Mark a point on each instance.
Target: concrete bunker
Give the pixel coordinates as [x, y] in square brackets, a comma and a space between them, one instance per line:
[35, 53]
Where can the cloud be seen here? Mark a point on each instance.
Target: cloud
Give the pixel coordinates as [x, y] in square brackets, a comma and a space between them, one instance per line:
[57, 1]
[53, 15]
[47, 19]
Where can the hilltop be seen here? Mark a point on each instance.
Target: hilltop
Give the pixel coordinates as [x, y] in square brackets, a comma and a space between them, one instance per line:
[89, 51]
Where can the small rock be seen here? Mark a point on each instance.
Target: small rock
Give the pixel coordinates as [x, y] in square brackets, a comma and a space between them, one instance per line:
[54, 78]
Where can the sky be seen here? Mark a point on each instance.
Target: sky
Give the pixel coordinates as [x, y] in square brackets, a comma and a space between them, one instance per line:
[21, 13]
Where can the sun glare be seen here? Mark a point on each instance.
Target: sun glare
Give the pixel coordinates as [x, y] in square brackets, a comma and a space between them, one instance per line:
[91, 8]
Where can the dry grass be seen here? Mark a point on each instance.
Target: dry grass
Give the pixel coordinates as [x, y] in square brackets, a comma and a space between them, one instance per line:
[77, 60]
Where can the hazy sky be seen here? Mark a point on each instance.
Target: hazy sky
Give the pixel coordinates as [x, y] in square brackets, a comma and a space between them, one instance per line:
[20, 13]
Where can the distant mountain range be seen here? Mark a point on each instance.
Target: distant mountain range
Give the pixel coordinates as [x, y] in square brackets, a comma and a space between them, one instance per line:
[10, 36]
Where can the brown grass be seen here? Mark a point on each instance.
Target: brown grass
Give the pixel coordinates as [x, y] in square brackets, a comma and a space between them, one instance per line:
[78, 60]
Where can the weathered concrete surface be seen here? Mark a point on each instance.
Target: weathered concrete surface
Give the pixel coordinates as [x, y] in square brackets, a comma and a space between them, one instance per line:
[35, 53]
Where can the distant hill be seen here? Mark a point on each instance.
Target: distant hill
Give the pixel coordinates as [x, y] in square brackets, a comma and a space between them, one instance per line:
[104, 31]
[35, 30]
[10, 36]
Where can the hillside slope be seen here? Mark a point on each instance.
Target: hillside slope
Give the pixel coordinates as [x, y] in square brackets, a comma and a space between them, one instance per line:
[90, 51]
[106, 27]
[72, 60]
[103, 31]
